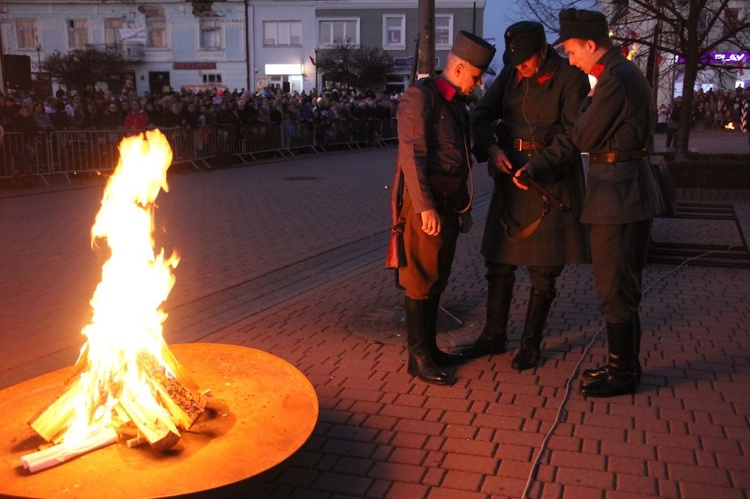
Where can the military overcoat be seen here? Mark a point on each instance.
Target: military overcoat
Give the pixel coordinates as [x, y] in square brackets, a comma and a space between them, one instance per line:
[540, 109]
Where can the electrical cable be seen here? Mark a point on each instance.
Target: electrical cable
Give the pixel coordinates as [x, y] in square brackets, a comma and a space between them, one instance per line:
[545, 440]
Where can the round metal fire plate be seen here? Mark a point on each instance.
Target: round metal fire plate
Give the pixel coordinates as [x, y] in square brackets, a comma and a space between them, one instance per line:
[260, 411]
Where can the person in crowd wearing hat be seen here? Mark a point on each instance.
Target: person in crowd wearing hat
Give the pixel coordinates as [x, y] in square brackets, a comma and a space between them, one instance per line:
[614, 129]
[536, 97]
[431, 199]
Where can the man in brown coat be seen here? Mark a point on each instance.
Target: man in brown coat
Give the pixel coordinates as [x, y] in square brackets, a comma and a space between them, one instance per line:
[614, 128]
[433, 158]
[536, 97]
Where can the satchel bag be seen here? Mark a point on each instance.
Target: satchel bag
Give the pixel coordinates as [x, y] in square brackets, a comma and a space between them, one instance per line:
[661, 188]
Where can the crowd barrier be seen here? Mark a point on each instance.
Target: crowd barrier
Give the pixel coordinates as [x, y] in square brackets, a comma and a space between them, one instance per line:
[66, 152]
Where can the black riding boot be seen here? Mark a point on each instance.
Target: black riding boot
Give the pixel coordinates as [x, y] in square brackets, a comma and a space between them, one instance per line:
[492, 339]
[621, 374]
[418, 340]
[594, 373]
[441, 358]
[531, 339]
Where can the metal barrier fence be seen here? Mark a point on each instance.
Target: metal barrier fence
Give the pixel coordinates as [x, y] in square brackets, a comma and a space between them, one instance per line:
[63, 152]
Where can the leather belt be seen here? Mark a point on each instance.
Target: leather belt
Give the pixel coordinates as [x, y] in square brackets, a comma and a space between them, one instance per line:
[527, 145]
[616, 156]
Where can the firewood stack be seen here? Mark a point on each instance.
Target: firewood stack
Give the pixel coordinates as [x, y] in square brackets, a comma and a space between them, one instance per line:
[174, 406]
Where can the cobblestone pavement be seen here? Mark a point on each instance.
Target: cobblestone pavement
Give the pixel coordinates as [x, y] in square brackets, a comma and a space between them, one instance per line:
[287, 257]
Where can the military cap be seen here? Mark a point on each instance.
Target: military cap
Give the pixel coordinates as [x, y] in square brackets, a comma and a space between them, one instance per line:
[522, 39]
[583, 24]
[474, 50]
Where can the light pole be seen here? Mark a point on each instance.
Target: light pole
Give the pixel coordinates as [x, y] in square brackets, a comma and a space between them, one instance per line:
[317, 87]
[38, 47]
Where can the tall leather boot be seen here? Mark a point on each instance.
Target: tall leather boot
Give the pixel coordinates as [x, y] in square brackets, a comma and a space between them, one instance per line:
[531, 339]
[594, 373]
[621, 374]
[495, 333]
[442, 359]
[421, 364]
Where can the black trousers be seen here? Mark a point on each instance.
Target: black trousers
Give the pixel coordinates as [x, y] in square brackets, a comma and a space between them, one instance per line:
[543, 278]
[618, 252]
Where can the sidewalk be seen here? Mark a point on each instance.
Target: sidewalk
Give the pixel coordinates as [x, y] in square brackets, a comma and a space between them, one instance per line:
[287, 257]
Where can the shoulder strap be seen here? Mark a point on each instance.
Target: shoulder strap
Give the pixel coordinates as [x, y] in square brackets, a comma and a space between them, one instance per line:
[436, 102]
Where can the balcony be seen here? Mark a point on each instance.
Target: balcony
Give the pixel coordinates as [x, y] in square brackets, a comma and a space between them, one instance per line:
[132, 52]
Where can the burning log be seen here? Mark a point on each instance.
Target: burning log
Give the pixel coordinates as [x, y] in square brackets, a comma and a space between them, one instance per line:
[177, 405]
[57, 454]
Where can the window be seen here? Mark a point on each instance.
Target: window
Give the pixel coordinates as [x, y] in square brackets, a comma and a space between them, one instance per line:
[26, 30]
[443, 31]
[78, 33]
[112, 32]
[331, 31]
[212, 78]
[394, 29]
[282, 33]
[157, 32]
[210, 33]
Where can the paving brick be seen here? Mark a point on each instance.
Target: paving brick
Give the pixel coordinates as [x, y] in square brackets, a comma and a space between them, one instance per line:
[400, 472]
[342, 484]
[701, 491]
[466, 446]
[699, 474]
[567, 459]
[462, 480]
[602, 480]
[470, 463]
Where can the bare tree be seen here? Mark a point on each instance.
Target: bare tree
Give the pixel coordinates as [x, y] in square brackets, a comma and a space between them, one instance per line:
[352, 67]
[79, 68]
[667, 35]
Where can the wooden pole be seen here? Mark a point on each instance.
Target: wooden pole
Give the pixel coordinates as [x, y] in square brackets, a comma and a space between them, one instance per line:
[426, 38]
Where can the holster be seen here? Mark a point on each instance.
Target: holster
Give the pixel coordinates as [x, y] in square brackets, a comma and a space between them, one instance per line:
[395, 246]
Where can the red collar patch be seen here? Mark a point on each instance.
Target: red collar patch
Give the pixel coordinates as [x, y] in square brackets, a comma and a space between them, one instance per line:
[445, 89]
[597, 70]
[545, 77]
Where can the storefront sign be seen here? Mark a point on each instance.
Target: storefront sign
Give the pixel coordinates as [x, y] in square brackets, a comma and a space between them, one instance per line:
[194, 65]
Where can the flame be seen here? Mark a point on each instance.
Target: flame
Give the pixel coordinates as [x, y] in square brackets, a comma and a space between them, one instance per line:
[729, 126]
[127, 319]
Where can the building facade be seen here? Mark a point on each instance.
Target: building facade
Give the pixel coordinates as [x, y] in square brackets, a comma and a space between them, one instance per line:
[234, 44]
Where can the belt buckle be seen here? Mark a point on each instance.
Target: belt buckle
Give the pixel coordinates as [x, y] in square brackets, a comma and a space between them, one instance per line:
[518, 144]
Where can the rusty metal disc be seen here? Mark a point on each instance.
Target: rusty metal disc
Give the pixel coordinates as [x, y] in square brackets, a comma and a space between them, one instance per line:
[261, 410]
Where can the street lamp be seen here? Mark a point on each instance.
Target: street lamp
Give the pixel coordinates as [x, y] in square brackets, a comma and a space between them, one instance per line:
[38, 47]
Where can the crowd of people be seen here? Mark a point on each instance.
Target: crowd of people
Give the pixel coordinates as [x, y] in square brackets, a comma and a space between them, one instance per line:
[92, 109]
[710, 110]
[102, 109]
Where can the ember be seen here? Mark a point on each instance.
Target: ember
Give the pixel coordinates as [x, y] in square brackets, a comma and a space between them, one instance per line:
[126, 377]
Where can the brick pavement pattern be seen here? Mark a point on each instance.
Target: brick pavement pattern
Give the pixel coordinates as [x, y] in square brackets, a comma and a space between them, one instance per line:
[287, 256]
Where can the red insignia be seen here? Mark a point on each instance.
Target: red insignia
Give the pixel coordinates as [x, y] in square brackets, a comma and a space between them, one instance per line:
[445, 89]
[545, 77]
[597, 70]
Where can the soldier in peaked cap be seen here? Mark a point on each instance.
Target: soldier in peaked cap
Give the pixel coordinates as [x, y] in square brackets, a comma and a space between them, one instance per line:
[432, 169]
[536, 98]
[614, 129]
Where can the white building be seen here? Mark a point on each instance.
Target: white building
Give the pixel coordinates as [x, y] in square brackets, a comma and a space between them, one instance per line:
[233, 43]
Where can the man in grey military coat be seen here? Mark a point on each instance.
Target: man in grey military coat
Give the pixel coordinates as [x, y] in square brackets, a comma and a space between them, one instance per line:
[614, 128]
[536, 97]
